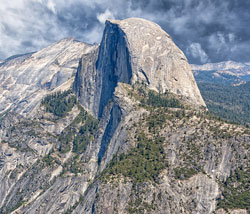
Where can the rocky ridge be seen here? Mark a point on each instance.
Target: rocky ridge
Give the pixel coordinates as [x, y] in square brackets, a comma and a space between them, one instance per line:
[226, 73]
[26, 79]
[139, 145]
[134, 50]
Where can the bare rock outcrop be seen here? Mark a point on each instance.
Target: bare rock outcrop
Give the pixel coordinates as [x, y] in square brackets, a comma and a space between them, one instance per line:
[134, 50]
[146, 152]
[26, 79]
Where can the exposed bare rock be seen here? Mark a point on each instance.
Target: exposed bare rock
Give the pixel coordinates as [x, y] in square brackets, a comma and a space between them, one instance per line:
[25, 80]
[85, 84]
[134, 50]
[132, 149]
[156, 60]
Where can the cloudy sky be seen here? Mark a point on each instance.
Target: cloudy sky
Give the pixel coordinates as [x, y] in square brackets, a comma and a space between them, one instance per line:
[206, 30]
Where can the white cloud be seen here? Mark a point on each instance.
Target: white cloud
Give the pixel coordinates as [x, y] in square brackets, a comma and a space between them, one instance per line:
[25, 27]
[221, 38]
[197, 52]
[28, 25]
[94, 35]
[52, 6]
[102, 17]
[217, 41]
[231, 37]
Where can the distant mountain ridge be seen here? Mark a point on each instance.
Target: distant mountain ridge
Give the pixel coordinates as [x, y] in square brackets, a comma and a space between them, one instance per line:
[220, 65]
[228, 72]
[225, 87]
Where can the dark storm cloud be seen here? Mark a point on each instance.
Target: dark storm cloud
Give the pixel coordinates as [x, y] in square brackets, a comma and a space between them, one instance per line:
[206, 30]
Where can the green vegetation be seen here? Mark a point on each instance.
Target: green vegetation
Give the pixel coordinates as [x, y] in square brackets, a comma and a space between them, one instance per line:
[18, 204]
[65, 139]
[138, 205]
[74, 137]
[59, 103]
[48, 160]
[86, 133]
[70, 210]
[145, 161]
[236, 191]
[185, 173]
[80, 132]
[160, 100]
[229, 102]
[156, 120]
[223, 79]
[75, 166]
[142, 163]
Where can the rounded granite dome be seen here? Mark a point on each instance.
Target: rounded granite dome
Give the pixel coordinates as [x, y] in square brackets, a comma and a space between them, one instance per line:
[155, 59]
[134, 50]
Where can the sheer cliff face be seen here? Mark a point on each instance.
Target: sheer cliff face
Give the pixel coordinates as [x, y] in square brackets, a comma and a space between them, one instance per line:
[135, 50]
[156, 60]
[146, 153]
[101, 70]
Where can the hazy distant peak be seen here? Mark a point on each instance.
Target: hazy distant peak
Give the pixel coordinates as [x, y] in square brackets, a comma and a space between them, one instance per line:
[220, 66]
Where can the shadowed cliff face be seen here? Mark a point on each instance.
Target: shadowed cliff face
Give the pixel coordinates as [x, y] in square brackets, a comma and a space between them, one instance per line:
[101, 70]
[148, 152]
[134, 50]
[113, 63]
[115, 119]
